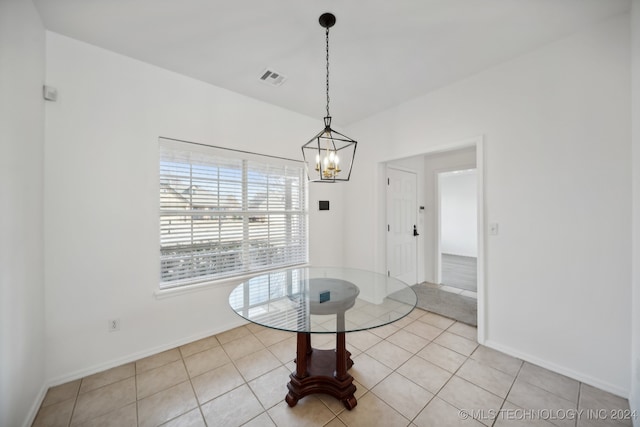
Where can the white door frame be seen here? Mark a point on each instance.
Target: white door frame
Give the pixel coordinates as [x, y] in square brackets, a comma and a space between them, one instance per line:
[478, 143]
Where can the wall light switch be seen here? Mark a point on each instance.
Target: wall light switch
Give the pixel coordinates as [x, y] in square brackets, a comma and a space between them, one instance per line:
[493, 228]
[114, 325]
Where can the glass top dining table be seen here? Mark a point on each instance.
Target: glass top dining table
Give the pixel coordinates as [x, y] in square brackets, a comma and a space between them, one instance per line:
[322, 300]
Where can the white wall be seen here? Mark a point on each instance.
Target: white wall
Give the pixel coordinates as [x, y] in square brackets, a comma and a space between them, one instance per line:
[556, 126]
[22, 349]
[325, 226]
[459, 213]
[101, 201]
[635, 304]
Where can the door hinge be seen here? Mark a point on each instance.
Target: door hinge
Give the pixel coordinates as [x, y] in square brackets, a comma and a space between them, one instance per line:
[388, 181]
[388, 273]
[388, 227]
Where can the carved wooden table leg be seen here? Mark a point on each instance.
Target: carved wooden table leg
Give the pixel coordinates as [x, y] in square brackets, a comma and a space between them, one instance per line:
[322, 371]
[303, 350]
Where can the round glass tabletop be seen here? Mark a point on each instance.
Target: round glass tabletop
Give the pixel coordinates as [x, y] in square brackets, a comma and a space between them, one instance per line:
[322, 299]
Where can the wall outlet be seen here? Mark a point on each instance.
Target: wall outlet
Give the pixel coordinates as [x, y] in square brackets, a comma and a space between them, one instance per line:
[114, 325]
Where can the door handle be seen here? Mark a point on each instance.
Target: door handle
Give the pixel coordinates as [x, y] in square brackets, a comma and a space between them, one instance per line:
[415, 231]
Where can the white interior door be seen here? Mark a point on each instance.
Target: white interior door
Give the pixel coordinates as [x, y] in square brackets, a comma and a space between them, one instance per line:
[401, 220]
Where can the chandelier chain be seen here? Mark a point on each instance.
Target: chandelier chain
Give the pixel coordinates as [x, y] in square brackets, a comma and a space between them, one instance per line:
[328, 114]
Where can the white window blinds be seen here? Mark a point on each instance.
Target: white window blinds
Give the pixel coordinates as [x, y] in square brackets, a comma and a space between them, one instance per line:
[227, 213]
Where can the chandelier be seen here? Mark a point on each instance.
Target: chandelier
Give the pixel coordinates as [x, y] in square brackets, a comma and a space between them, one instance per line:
[329, 155]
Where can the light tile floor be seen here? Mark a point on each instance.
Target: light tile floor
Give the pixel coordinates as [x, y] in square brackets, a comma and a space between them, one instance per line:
[424, 370]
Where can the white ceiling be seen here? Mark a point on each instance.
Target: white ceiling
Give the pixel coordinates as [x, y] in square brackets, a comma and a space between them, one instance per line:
[382, 52]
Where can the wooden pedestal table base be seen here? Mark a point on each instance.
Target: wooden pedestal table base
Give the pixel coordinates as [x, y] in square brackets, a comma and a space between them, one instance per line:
[322, 371]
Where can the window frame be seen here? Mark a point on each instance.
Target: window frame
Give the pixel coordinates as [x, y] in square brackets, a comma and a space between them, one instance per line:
[252, 163]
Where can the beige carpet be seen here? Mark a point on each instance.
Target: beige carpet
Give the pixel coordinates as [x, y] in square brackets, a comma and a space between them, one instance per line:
[454, 306]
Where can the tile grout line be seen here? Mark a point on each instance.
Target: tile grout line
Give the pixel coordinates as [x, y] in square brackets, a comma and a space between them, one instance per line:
[575, 422]
[578, 402]
[265, 410]
[447, 382]
[135, 384]
[457, 370]
[75, 402]
[246, 382]
[415, 354]
[508, 391]
[553, 393]
[160, 391]
[195, 395]
[452, 375]
[490, 367]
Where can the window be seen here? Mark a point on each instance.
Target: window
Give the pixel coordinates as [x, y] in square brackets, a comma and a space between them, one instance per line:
[267, 297]
[227, 213]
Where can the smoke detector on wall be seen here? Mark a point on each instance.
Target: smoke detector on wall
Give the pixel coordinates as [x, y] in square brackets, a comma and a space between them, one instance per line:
[272, 78]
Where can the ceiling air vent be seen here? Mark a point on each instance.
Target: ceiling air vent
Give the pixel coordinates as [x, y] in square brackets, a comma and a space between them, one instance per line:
[272, 78]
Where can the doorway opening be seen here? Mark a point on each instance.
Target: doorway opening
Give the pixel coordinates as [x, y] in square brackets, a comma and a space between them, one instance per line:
[449, 254]
[458, 231]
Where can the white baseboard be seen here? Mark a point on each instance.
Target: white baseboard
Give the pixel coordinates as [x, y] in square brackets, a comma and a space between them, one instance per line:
[35, 407]
[578, 376]
[139, 355]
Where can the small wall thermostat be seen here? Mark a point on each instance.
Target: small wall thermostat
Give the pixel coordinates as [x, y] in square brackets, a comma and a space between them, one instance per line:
[323, 205]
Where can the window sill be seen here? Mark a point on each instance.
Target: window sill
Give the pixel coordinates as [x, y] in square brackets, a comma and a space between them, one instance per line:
[212, 284]
[196, 287]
